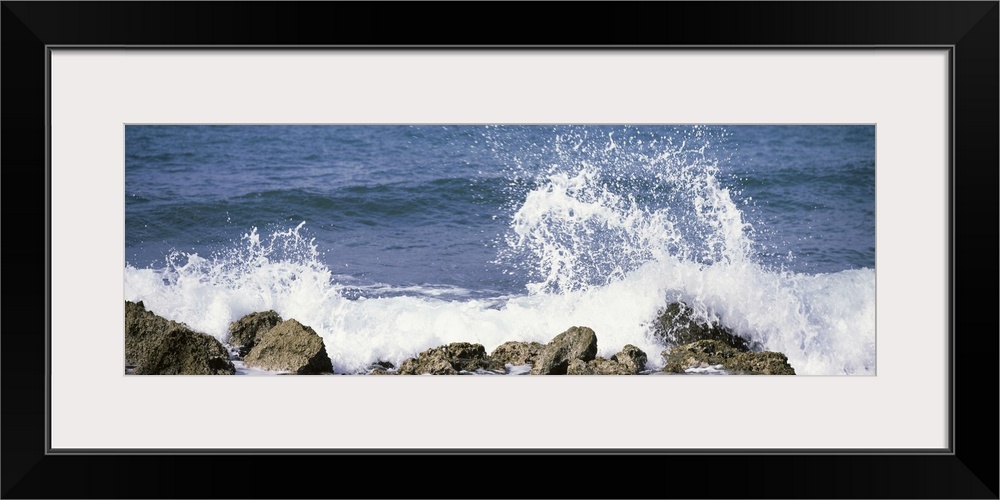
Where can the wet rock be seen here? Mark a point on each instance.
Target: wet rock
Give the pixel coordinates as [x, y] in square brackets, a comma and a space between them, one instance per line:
[597, 366]
[707, 353]
[155, 345]
[699, 354]
[763, 363]
[632, 358]
[675, 325]
[579, 342]
[182, 351]
[245, 332]
[630, 361]
[517, 353]
[290, 346]
[449, 360]
[381, 368]
[427, 364]
[141, 327]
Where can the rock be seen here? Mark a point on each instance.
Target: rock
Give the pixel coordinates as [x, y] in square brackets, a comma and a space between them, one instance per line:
[699, 354]
[630, 361]
[449, 360]
[141, 328]
[427, 364]
[181, 351]
[579, 342]
[598, 366]
[381, 365]
[157, 346]
[675, 326]
[245, 332]
[381, 368]
[705, 353]
[578, 367]
[290, 346]
[632, 358]
[517, 353]
[763, 363]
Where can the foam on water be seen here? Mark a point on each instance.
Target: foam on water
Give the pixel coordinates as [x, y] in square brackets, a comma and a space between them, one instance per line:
[602, 208]
[606, 233]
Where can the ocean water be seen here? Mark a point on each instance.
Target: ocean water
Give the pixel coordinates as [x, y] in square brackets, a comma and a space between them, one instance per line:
[388, 240]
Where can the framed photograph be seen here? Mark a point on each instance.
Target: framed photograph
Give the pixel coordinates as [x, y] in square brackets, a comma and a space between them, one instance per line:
[779, 199]
[453, 249]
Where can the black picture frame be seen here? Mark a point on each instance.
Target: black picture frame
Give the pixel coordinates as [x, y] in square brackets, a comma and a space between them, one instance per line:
[970, 470]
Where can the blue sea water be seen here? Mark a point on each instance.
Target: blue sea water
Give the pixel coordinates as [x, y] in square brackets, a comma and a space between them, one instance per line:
[391, 239]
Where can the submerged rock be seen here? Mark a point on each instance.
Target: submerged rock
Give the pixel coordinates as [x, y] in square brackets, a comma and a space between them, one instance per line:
[245, 332]
[632, 358]
[675, 325]
[517, 353]
[155, 345]
[449, 360]
[579, 343]
[381, 367]
[708, 353]
[290, 346]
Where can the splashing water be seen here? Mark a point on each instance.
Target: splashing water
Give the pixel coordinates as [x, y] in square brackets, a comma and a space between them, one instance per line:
[600, 209]
[281, 272]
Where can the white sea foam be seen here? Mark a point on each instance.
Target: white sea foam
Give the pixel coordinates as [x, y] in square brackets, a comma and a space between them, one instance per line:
[708, 370]
[823, 323]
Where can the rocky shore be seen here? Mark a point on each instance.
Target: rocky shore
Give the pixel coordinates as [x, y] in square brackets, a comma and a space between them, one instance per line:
[266, 342]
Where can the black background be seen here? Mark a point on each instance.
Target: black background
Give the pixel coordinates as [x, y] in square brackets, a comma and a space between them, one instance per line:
[971, 472]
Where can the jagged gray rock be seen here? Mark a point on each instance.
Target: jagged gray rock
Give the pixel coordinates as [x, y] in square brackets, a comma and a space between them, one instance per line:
[632, 358]
[290, 346]
[157, 346]
[675, 325]
[517, 353]
[381, 367]
[142, 325]
[630, 361]
[597, 366]
[245, 332]
[449, 360]
[579, 342]
[706, 353]
[182, 351]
